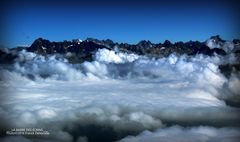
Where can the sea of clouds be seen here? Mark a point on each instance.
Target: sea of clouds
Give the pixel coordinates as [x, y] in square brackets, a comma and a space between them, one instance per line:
[177, 98]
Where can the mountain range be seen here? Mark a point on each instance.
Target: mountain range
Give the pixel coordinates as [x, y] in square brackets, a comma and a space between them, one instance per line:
[77, 51]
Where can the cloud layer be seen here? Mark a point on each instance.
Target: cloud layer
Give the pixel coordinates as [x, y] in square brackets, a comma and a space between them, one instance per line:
[122, 94]
[179, 134]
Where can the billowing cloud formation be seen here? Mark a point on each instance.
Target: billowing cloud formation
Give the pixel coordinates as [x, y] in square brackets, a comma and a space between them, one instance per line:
[110, 56]
[179, 134]
[227, 46]
[118, 94]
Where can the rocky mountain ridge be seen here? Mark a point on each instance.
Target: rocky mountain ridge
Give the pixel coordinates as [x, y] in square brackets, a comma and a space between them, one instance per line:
[78, 51]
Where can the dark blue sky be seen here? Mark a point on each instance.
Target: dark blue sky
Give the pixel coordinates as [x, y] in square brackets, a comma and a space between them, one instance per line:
[128, 22]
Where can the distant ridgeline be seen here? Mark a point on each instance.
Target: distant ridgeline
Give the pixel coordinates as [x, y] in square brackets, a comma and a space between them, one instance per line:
[77, 51]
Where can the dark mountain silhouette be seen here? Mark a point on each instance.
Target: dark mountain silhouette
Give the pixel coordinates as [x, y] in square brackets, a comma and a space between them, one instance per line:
[84, 50]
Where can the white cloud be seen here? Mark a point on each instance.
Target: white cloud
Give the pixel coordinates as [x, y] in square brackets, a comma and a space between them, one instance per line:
[110, 56]
[118, 90]
[180, 134]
